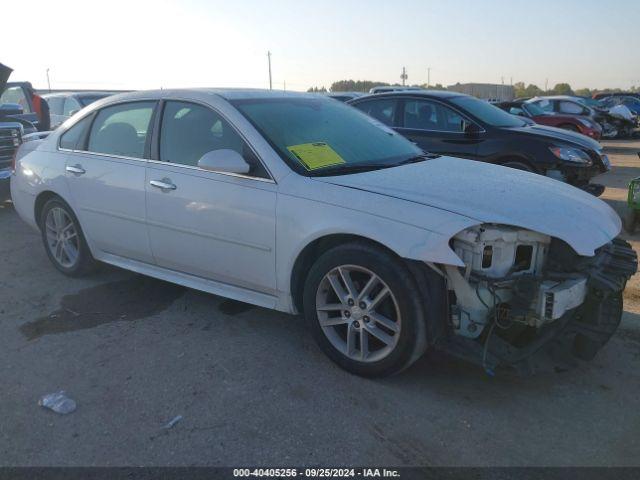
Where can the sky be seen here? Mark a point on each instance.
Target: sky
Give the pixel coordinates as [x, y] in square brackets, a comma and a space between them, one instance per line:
[139, 44]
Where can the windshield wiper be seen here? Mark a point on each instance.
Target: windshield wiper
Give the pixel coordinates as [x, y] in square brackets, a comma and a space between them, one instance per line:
[349, 168]
[416, 159]
[346, 168]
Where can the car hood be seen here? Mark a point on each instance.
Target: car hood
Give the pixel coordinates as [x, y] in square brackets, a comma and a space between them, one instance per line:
[5, 73]
[558, 134]
[494, 194]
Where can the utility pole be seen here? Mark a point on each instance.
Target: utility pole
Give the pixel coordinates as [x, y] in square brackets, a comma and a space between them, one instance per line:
[48, 82]
[404, 75]
[428, 76]
[546, 85]
[269, 58]
[285, 86]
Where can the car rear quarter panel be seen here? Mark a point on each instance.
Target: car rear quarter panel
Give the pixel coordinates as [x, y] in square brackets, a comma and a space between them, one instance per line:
[39, 168]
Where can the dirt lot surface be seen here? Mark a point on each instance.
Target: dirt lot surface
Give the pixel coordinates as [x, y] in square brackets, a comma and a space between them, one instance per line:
[252, 388]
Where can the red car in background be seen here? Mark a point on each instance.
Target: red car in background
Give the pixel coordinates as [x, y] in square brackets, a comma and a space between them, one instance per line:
[583, 125]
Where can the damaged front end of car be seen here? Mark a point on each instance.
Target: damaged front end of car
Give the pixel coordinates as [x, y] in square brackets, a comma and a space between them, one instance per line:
[524, 298]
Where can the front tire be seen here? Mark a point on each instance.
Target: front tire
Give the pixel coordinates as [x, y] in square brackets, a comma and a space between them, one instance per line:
[364, 310]
[63, 239]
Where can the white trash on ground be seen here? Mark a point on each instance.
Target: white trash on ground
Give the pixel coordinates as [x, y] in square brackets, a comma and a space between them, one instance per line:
[58, 402]
[172, 422]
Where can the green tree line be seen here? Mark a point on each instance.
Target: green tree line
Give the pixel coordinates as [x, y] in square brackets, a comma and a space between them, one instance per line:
[521, 90]
[363, 86]
[532, 90]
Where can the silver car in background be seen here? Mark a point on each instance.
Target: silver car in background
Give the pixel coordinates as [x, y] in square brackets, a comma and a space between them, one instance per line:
[63, 106]
[299, 203]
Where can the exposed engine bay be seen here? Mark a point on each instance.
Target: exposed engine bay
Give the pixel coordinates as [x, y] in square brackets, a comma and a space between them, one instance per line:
[521, 290]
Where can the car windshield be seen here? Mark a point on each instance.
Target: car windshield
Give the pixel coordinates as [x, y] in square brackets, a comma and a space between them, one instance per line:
[534, 110]
[488, 113]
[319, 136]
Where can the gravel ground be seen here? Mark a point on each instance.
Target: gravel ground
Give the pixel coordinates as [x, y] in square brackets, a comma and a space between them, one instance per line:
[252, 387]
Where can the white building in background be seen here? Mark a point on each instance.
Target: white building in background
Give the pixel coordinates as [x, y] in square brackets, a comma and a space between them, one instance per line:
[486, 91]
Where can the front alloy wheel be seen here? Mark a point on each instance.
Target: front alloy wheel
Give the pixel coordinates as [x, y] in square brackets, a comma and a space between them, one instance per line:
[365, 310]
[358, 313]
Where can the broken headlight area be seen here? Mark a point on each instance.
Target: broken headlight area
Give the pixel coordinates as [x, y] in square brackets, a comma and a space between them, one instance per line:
[522, 293]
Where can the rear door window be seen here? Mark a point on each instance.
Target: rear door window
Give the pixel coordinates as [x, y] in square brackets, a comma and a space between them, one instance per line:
[570, 108]
[122, 129]
[430, 115]
[383, 110]
[71, 106]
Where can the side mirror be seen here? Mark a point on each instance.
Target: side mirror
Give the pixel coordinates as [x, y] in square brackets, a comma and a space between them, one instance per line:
[470, 128]
[223, 160]
[8, 109]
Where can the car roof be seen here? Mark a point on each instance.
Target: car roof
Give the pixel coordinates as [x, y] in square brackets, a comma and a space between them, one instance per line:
[225, 93]
[75, 94]
[354, 94]
[558, 97]
[415, 93]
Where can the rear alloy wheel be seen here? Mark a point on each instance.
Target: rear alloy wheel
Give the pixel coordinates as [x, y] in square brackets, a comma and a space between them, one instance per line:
[364, 310]
[63, 239]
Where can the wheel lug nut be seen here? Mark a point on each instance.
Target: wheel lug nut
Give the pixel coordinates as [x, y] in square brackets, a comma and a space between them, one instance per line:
[363, 305]
[350, 302]
[347, 313]
[366, 319]
[356, 324]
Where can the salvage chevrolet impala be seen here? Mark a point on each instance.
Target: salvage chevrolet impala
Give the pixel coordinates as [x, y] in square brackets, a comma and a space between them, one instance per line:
[302, 204]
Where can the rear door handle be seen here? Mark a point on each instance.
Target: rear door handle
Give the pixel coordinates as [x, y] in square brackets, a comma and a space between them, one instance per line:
[164, 184]
[77, 169]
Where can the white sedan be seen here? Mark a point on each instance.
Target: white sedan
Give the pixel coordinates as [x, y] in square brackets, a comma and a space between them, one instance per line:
[299, 203]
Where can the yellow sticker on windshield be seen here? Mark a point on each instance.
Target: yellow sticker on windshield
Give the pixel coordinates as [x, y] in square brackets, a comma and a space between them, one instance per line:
[316, 155]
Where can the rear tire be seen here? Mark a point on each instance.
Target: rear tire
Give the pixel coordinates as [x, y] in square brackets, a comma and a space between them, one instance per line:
[63, 239]
[356, 324]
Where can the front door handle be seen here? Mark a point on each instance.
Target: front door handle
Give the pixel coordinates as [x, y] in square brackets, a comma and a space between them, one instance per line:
[77, 169]
[164, 184]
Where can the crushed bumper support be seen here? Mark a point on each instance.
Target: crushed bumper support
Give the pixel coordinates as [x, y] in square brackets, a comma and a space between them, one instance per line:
[579, 333]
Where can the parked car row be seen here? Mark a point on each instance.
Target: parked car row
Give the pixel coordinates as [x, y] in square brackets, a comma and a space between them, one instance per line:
[575, 123]
[616, 120]
[455, 124]
[303, 204]
[19, 120]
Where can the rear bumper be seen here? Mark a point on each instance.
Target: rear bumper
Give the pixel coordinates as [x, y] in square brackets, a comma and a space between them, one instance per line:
[5, 181]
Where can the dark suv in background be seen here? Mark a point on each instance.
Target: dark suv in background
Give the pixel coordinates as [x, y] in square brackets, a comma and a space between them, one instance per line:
[450, 123]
